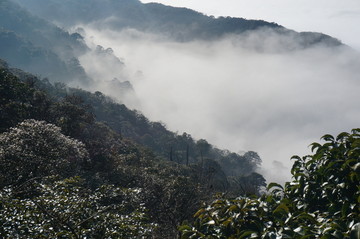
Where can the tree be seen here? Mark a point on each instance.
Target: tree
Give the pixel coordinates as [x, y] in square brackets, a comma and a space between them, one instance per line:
[171, 194]
[72, 115]
[252, 184]
[36, 149]
[322, 201]
[15, 100]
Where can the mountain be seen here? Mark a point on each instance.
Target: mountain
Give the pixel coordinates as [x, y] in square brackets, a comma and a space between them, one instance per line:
[131, 124]
[76, 163]
[37, 46]
[74, 176]
[173, 173]
[181, 24]
[32, 39]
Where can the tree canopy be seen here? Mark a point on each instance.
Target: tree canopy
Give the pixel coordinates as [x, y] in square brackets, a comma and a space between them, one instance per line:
[77, 164]
[36, 149]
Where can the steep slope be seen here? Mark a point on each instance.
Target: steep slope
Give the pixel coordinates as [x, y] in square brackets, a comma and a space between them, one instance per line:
[130, 124]
[38, 46]
[172, 175]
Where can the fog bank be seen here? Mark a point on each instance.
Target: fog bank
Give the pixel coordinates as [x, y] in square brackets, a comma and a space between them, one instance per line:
[240, 93]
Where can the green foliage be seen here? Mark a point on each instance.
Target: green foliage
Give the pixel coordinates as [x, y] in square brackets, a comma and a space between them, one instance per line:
[71, 115]
[173, 194]
[18, 100]
[174, 173]
[322, 201]
[326, 184]
[75, 111]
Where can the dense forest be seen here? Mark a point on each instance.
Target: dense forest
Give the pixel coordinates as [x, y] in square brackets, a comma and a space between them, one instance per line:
[52, 133]
[76, 163]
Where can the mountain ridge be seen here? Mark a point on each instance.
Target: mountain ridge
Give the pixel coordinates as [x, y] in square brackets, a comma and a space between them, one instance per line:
[179, 23]
[40, 46]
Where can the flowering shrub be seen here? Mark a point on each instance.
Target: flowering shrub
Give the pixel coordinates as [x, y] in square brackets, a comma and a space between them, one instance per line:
[67, 209]
[35, 149]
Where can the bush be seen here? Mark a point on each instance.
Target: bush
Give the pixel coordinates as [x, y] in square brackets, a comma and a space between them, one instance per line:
[322, 201]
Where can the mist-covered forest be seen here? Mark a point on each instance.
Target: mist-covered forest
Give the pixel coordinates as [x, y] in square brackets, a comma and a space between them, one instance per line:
[120, 119]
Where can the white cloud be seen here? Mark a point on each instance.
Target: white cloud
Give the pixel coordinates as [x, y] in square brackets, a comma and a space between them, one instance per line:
[268, 101]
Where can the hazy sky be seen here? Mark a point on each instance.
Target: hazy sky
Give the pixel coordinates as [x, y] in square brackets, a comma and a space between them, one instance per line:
[338, 18]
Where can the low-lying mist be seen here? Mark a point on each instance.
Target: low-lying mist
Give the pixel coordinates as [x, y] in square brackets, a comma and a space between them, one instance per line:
[259, 91]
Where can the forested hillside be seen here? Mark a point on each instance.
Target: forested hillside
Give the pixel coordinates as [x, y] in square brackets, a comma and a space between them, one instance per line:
[37, 46]
[66, 174]
[77, 162]
[58, 142]
[46, 38]
[181, 24]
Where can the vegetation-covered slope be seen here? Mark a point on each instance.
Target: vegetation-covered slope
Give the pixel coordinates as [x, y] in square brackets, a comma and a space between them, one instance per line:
[31, 38]
[178, 23]
[65, 174]
[60, 146]
[38, 46]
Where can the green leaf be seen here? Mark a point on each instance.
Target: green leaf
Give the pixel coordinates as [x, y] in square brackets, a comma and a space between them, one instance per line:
[227, 221]
[327, 236]
[306, 216]
[198, 213]
[282, 208]
[342, 135]
[190, 234]
[328, 137]
[307, 236]
[246, 234]
[233, 208]
[185, 227]
[271, 185]
[296, 157]
[344, 209]
[314, 146]
[299, 175]
[355, 131]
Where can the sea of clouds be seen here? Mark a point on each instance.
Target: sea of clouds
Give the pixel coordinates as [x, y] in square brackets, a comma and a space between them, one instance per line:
[258, 91]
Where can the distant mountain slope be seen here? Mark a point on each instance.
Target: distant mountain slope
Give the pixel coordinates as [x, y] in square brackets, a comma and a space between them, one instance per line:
[39, 46]
[98, 121]
[178, 23]
[29, 41]
[109, 138]
[186, 24]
